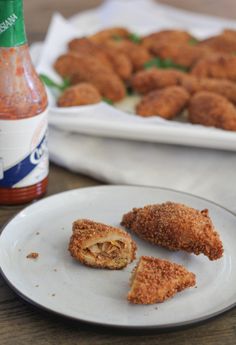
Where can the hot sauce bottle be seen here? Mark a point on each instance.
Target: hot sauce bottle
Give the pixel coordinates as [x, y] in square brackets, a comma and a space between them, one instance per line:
[23, 113]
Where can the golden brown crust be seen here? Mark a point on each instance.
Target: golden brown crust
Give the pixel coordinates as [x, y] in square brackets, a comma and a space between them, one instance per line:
[181, 54]
[210, 109]
[137, 54]
[189, 82]
[230, 33]
[81, 94]
[153, 79]
[148, 80]
[176, 227]
[222, 66]
[102, 246]
[166, 103]
[223, 43]
[120, 62]
[83, 68]
[110, 33]
[155, 280]
[87, 47]
[116, 61]
[170, 36]
[222, 87]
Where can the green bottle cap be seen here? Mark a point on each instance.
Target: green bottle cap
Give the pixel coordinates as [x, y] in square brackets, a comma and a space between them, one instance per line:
[12, 26]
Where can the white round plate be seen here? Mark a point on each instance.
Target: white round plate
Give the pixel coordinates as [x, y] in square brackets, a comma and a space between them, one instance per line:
[58, 283]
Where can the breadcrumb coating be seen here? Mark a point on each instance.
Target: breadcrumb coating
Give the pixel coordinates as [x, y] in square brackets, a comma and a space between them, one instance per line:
[176, 227]
[224, 87]
[87, 47]
[100, 245]
[137, 54]
[120, 62]
[116, 61]
[148, 80]
[83, 68]
[223, 43]
[81, 94]
[170, 36]
[209, 109]
[220, 66]
[181, 54]
[110, 33]
[155, 280]
[230, 33]
[166, 103]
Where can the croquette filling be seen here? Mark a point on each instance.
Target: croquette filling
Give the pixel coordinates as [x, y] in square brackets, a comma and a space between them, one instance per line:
[107, 249]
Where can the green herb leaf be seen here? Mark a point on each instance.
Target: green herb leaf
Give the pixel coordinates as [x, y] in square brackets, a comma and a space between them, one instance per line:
[135, 38]
[107, 100]
[193, 41]
[164, 63]
[66, 83]
[156, 62]
[167, 63]
[50, 83]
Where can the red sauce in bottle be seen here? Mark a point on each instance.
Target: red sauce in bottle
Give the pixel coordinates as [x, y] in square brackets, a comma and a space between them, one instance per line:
[23, 118]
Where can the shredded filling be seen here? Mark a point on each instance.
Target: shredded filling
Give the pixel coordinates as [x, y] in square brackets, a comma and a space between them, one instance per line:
[109, 249]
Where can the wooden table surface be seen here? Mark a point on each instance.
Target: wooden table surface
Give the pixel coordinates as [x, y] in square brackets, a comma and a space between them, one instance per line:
[20, 323]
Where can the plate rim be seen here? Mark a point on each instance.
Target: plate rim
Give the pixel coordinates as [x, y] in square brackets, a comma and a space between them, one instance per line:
[165, 327]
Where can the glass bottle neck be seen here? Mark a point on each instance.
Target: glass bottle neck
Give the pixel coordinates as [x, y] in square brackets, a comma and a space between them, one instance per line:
[12, 26]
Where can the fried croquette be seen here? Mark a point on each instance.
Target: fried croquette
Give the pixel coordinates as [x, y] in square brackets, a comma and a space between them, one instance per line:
[120, 62]
[83, 68]
[224, 43]
[87, 47]
[117, 61]
[220, 66]
[230, 33]
[81, 94]
[189, 82]
[176, 227]
[166, 103]
[212, 110]
[137, 54]
[152, 79]
[182, 54]
[170, 36]
[154, 280]
[222, 87]
[102, 246]
[110, 33]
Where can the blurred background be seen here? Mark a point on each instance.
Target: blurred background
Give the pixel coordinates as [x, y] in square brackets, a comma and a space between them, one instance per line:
[37, 24]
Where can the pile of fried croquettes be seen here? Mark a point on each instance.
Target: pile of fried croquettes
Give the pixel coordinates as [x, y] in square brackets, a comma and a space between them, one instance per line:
[171, 70]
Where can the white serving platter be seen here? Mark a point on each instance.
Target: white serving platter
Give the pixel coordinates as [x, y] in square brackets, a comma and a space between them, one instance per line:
[107, 121]
[59, 284]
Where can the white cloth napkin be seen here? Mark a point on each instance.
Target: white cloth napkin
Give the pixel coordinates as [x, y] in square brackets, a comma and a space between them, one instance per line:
[207, 173]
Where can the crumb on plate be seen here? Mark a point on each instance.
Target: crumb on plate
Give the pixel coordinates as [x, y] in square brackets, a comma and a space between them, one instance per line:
[32, 255]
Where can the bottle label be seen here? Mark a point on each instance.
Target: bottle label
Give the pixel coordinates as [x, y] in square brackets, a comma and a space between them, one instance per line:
[12, 26]
[23, 151]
